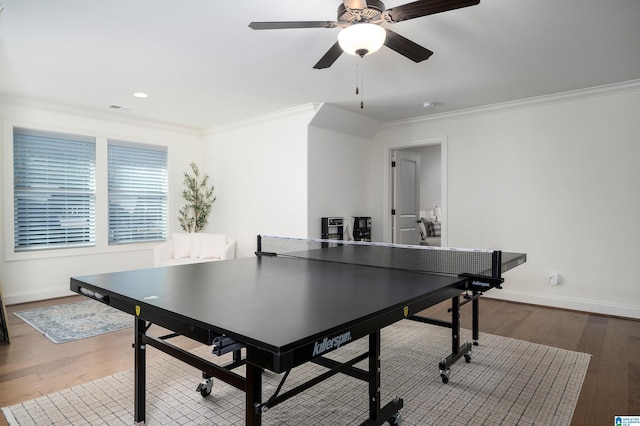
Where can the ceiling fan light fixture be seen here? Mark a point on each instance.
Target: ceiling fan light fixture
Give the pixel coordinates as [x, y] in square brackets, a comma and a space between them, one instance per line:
[362, 39]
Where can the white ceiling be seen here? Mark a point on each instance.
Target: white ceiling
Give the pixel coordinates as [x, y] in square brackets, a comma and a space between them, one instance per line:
[202, 66]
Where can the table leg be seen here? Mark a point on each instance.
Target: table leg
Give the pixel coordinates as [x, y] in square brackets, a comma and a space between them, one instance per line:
[455, 325]
[379, 415]
[140, 371]
[253, 395]
[374, 375]
[475, 312]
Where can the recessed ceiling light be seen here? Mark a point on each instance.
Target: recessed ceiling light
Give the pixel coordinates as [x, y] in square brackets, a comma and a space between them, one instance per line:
[141, 95]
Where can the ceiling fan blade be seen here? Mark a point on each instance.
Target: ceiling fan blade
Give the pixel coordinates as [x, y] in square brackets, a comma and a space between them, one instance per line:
[355, 4]
[420, 8]
[291, 24]
[406, 47]
[330, 57]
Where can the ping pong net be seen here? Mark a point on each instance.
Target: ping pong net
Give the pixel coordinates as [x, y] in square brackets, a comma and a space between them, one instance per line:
[480, 264]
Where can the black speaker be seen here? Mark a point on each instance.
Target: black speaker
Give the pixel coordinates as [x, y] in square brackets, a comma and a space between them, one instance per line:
[362, 228]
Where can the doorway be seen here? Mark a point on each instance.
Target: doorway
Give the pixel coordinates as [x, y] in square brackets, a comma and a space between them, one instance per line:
[405, 196]
[430, 190]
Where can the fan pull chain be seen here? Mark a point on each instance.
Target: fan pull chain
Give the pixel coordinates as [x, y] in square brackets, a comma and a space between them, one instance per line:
[360, 86]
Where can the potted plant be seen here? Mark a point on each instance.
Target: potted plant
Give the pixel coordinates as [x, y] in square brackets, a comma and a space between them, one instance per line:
[193, 217]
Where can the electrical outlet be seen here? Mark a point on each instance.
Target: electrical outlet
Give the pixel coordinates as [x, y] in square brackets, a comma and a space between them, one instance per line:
[554, 278]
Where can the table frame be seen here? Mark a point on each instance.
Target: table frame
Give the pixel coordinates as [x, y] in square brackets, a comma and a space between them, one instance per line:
[255, 362]
[257, 359]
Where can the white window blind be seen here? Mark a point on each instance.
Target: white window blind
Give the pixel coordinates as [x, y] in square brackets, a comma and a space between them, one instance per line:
[137, 193]
[54, 190]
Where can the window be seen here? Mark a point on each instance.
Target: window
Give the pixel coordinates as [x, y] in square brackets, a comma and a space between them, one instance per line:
[137, 193]
[54, 190]
[73, 191]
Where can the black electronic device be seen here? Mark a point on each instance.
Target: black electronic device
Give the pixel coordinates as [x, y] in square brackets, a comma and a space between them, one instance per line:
[332, 228]
[362, 228]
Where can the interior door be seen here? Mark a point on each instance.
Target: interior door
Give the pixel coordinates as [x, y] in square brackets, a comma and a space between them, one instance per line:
[406, 197]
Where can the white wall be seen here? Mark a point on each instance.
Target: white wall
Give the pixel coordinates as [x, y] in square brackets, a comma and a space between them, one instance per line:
[279, 174]
[259, 169]
[342, 173]
[558, 180]
[33, 276]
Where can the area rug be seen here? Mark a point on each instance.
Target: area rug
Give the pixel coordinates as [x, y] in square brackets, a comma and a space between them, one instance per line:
[77, 320]
[508, 381]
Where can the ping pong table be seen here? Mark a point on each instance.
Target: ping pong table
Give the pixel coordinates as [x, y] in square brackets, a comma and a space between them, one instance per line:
[294, 302]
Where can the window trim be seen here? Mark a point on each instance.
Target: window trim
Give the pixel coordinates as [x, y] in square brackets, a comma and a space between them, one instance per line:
[102, 246]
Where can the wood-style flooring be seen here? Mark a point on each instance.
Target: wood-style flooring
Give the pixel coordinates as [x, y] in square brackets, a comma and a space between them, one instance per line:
[31, 365]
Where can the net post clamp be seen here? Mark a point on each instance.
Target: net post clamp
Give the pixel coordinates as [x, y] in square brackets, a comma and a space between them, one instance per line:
[492, 281]
[266, 253]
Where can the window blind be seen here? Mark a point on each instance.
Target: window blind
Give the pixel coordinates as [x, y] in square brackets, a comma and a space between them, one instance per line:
[137, 193]
[54, 190]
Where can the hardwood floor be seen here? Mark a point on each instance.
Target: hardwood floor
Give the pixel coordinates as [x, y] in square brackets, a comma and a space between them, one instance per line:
[32, 365]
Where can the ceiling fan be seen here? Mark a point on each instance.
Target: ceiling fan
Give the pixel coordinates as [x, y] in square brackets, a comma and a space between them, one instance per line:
[366, 16]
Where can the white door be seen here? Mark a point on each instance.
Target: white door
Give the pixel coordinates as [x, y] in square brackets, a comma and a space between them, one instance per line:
[406, 197]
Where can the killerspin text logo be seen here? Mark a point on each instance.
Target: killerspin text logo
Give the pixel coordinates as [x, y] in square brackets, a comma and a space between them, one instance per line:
[327, 344]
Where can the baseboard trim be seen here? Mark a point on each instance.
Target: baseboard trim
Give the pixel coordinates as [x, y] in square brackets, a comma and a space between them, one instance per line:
[614, 309]
[33, 296]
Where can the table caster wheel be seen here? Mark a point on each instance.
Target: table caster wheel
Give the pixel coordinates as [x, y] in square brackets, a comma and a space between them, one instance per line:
[396, 420]
[444, 374]
[205, 387]
[467, 358]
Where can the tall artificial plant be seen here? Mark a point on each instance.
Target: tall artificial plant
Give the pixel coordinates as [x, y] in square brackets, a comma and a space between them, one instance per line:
[193, 217]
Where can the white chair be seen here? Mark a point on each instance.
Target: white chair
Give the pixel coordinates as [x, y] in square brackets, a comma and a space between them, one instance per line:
[185, 248]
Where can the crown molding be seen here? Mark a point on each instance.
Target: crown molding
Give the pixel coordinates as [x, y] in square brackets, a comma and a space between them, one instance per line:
[300, 109]
[18, 101]
[609, 89]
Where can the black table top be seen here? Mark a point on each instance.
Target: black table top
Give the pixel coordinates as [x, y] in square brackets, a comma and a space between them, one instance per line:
[276, 304]
[273, 302]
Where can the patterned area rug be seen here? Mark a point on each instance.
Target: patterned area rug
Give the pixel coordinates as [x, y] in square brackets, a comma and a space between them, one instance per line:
[508, 382]
[77, 320]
